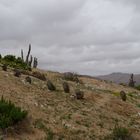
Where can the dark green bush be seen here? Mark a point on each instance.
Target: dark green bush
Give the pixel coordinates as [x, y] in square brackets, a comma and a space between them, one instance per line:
[121, 133]
[9, 58]
[10, 115]
[14, 62]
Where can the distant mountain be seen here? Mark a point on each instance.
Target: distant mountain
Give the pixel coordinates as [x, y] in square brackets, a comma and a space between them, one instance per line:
[120, 78]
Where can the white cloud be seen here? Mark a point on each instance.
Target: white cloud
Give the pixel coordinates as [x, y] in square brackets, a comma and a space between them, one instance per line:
[90, 37]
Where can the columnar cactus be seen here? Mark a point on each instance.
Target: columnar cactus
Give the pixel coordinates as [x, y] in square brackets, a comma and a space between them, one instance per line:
[31, 60]
[131, 81]
[28, 54]
[35, 63]
[22, 56]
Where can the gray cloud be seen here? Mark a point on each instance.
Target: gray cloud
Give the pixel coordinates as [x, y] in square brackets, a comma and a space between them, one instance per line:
[89, 37]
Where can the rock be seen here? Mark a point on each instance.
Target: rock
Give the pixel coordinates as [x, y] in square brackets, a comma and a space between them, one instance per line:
[17, 73]
[50, 85]
[79, 94]
[28, 79]
[123, 95]
[66, 87]
[4, 67]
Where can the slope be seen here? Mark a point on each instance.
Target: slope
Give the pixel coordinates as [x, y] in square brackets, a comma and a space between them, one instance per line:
[56, 115]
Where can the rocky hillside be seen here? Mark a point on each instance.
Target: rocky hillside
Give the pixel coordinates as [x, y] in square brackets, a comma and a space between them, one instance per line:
[120, 78]
[56, 115]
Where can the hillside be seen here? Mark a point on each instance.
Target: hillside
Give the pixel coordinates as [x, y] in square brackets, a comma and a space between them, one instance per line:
[58, 116]
[120, 78]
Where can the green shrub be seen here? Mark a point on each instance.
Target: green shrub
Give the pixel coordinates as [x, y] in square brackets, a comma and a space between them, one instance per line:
[10, 114]
[137, 87]
[14, 62]
[9, 58]
[119, 133]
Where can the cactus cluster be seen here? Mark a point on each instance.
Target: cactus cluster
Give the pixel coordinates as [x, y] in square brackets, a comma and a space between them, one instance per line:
[30, 60]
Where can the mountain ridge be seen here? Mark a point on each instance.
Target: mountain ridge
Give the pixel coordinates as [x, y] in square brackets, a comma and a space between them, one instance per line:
[119, 77]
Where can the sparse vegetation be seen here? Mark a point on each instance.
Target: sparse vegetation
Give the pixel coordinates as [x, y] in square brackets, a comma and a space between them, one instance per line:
[61, 116]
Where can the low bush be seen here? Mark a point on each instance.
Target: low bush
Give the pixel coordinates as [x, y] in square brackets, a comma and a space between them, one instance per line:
[71, 77]
[119, 133]
[10, 115]
[137, 87]
[39, 75]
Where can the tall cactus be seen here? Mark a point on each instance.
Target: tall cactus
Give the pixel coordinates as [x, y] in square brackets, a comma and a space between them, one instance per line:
[22, 57]
[35, 62]
[27, 57]
[31, 60]
[131, 81]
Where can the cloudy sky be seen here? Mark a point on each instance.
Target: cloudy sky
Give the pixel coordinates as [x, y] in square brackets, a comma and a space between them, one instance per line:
[85, 36]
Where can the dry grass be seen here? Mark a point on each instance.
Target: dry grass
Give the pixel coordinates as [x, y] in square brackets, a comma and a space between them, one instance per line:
[54, 115]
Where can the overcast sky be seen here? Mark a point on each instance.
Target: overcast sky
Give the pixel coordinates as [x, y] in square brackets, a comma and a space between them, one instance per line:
[86, 36]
